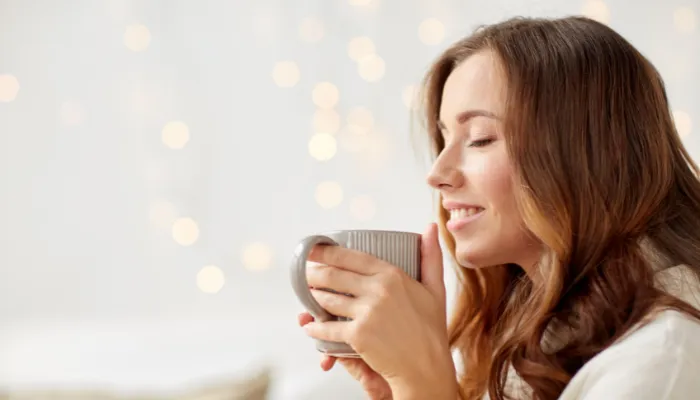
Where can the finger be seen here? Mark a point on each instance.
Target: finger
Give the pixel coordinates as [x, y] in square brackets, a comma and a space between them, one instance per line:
[327, 362]
[337, 279]
[336, 303]
[431, 263]
[355, 366]
[347, 259]
[334, 331]
[304, 318]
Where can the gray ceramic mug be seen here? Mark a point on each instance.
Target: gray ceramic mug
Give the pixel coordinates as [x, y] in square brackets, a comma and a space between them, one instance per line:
[401, 249]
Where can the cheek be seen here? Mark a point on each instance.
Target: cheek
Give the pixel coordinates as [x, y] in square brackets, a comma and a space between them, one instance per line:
[491, 179]
[498, 186]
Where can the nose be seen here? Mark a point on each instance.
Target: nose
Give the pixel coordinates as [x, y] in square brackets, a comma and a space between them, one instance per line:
[445, 173]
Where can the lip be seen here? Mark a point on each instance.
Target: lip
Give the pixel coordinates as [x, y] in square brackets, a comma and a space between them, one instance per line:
[453, 225]
[452, 205]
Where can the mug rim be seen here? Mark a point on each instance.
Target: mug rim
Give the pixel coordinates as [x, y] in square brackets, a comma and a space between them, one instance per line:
[368, 231]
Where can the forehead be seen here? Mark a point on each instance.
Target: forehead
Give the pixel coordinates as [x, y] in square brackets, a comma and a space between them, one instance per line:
[477, 83]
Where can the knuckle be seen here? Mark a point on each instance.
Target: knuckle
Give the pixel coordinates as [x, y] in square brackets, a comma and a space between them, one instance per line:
[381, 291]
[387, 286]
[325, 274]
[313, 273]
[322, 275]
[358, 331]
[368, 309]
[339, 256]
[392, 278]
[394, 273]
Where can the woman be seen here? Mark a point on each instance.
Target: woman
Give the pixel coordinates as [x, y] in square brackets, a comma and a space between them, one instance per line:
[573, 211]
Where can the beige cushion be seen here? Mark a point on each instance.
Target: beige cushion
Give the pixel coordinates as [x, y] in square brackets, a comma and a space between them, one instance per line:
[254, 387]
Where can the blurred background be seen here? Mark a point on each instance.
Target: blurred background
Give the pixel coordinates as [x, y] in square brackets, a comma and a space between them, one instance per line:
[162, 158]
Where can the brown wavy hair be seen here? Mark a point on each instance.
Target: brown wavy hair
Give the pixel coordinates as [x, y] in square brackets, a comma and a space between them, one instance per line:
[602, 175]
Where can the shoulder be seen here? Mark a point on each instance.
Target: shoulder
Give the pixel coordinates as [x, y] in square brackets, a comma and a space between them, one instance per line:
[659, 361]
[668, 330]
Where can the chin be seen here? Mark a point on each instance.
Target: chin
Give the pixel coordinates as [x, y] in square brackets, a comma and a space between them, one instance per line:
[470, 256]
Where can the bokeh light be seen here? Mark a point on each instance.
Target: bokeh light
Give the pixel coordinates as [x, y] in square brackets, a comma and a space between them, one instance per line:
[360, 3]
[210, 279]
[185, 231]
[597, 10]
[329, 194]
[140, 100]
[410, 97]
[162, 213]
[371, 68]
[175, 134]
[325, 95]
[360, 47]
[257, 256]
[360, 120]
[684, 19]
[684, 123]
[322, 146]
[9, 87]
[431, 31]
[362, 208]
[72, 113]
[378, 148]
[137, 37]
[265, 23]
[311, 30]
[286, 74]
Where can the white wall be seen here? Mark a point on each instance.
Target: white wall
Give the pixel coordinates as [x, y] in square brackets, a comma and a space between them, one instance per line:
[89, 192]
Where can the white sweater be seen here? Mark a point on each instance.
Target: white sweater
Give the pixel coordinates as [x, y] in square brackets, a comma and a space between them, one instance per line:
[659, 361]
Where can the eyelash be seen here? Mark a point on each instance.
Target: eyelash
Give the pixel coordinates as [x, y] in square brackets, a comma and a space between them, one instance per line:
[480, 143]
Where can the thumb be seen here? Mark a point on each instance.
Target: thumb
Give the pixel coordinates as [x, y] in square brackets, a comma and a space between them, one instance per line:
[431, 267]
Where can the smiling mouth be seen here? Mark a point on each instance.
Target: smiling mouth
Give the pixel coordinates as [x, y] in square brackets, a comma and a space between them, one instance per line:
[461, 217]
[461, 213]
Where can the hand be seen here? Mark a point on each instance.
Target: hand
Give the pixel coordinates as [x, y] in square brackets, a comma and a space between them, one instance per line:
[398, 325]
[374, 385]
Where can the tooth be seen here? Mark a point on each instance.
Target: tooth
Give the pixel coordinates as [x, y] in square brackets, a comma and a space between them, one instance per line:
[464, 212]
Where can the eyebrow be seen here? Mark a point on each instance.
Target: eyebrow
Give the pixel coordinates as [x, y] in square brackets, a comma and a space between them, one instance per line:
[465, 116]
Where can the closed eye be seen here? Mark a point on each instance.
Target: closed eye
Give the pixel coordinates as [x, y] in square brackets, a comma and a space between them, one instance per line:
[480, 142]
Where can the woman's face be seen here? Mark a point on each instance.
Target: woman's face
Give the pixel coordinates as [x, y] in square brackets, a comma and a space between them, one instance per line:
[473, 172]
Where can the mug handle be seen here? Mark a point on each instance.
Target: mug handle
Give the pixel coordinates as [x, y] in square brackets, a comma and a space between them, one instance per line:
[298, 276]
